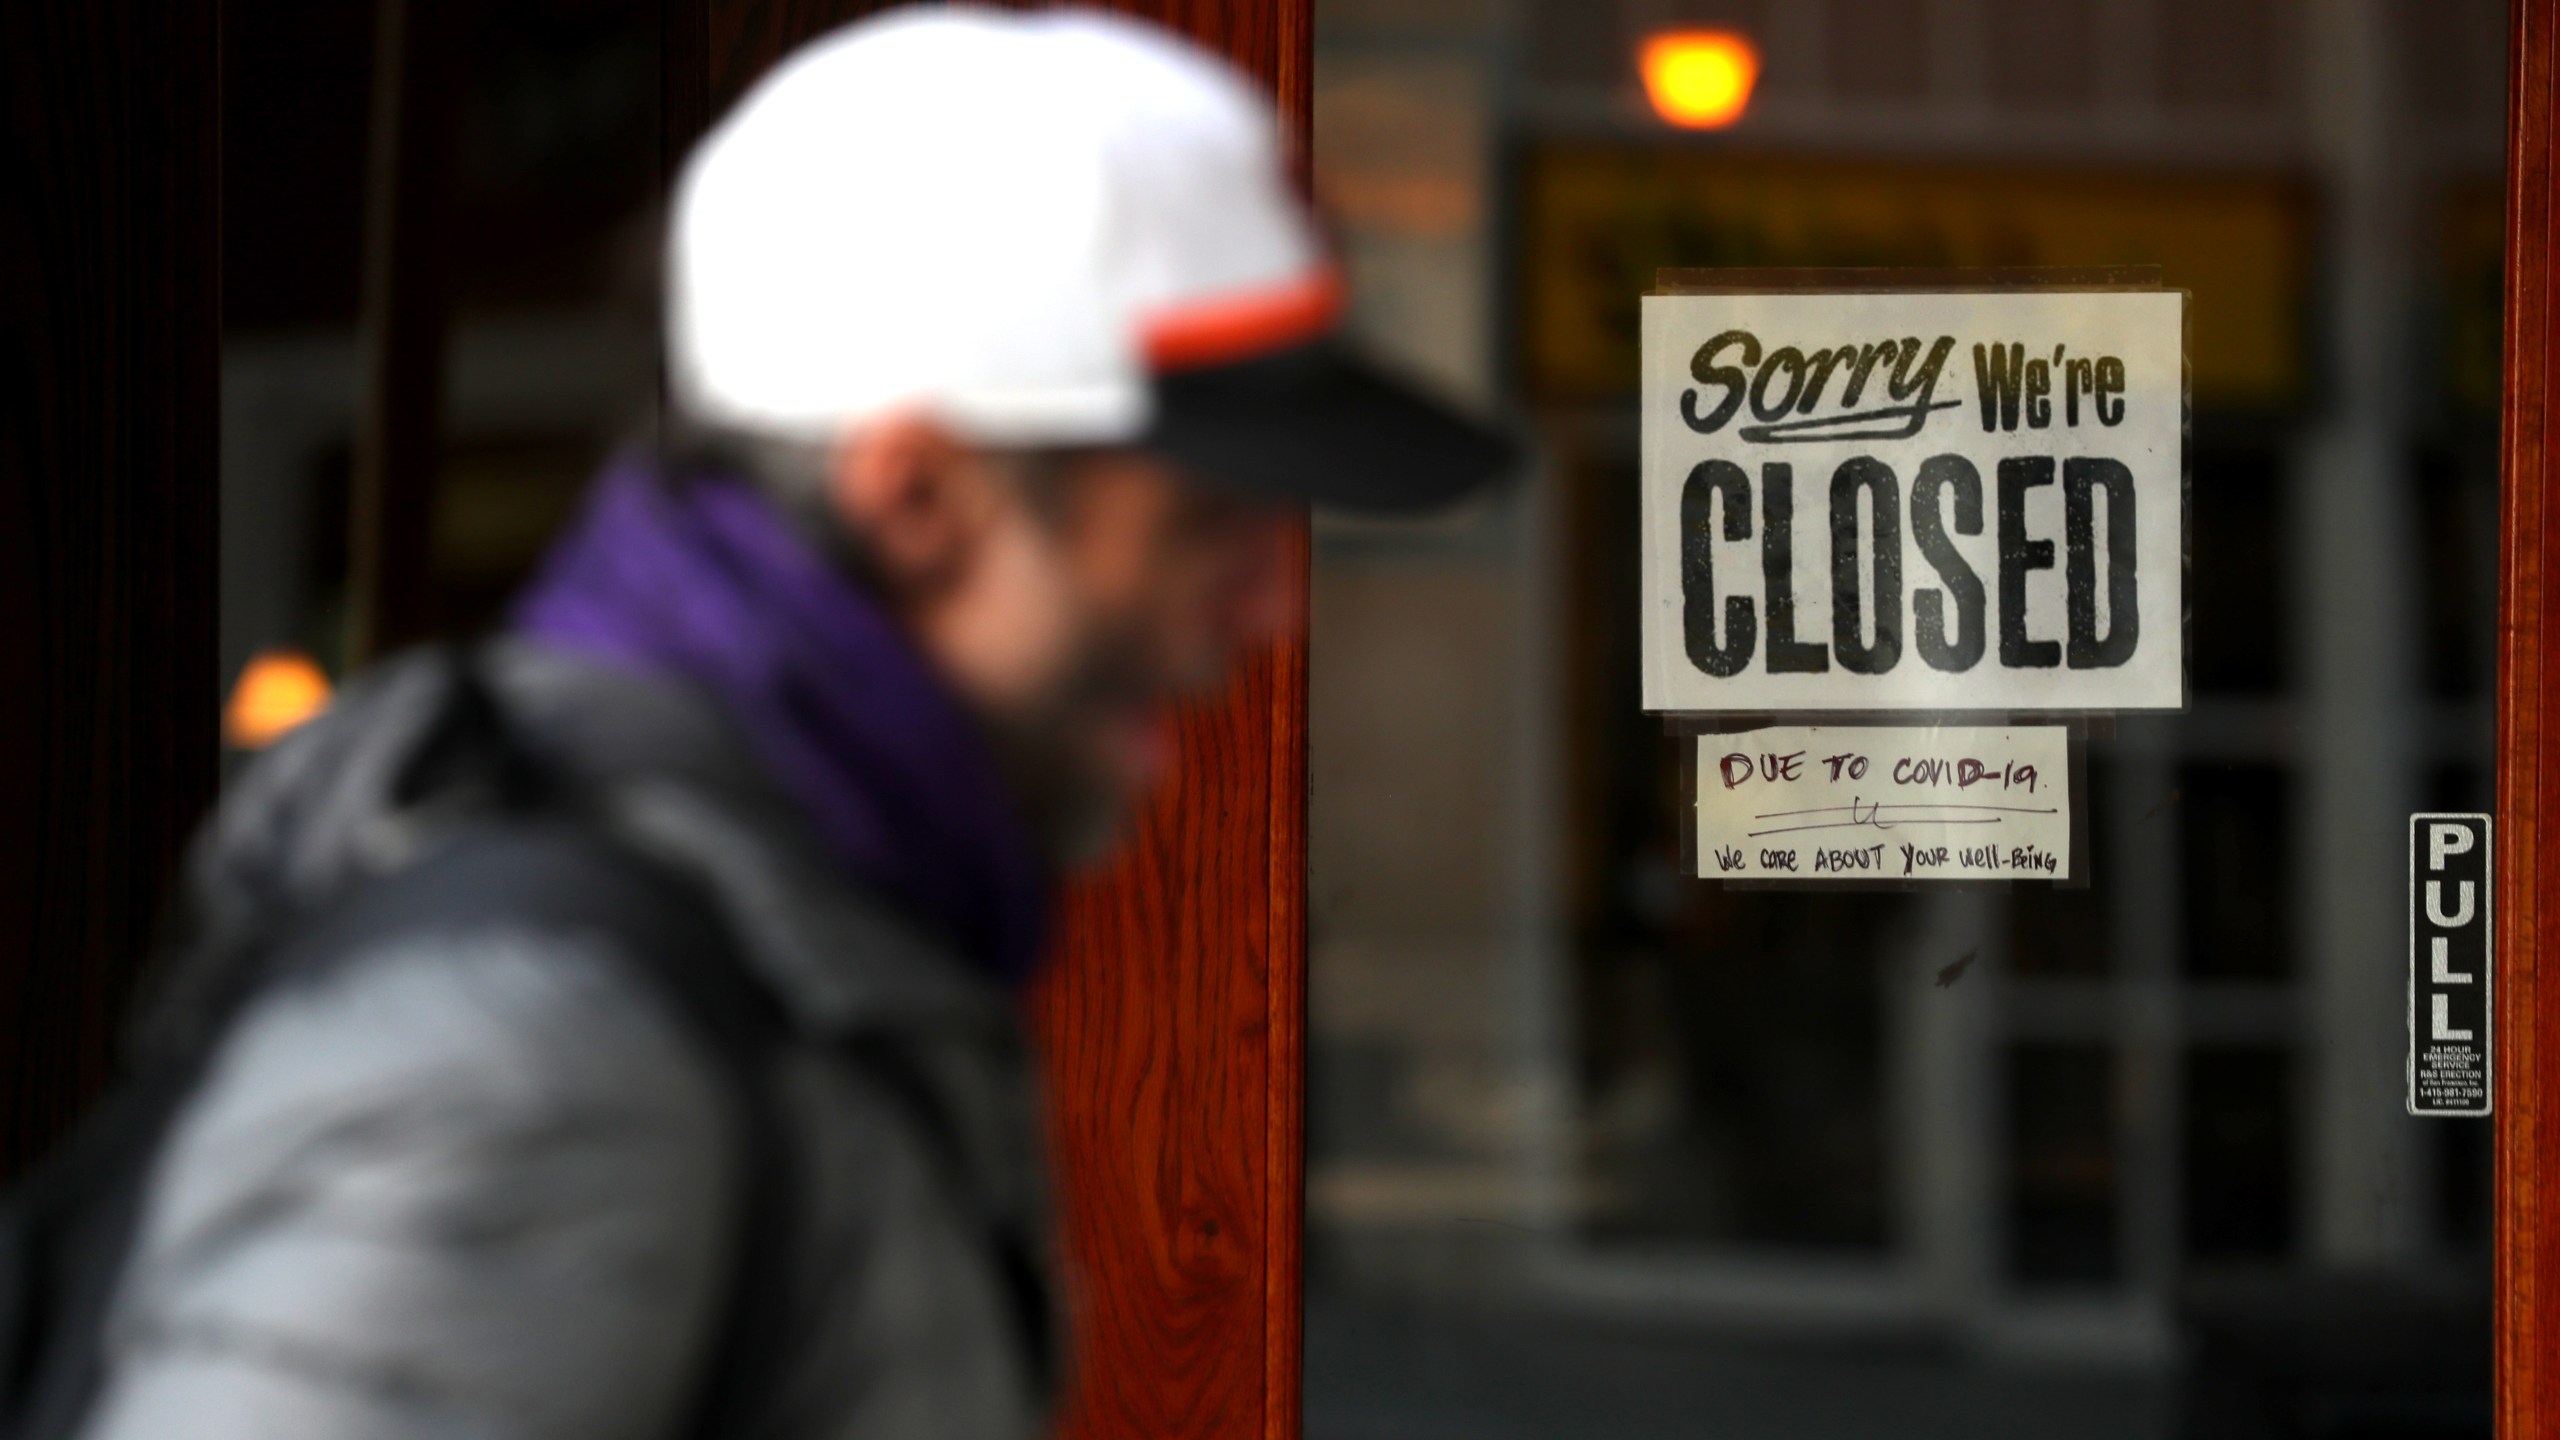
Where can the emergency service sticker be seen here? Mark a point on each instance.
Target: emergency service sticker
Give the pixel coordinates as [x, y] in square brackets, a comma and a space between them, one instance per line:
[1824, 803]
[1914, 501]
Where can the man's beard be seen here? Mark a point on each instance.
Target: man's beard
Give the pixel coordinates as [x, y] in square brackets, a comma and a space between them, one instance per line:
[1076, 809]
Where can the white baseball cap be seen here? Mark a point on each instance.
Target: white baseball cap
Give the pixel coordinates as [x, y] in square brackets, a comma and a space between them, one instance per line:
[1059, 228]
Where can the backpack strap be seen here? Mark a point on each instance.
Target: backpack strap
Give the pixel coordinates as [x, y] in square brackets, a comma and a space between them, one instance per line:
[698, 965]
[892, 1068]
[671, 937]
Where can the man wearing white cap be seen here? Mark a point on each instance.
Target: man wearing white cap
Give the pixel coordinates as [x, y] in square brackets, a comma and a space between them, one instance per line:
[608, 1030]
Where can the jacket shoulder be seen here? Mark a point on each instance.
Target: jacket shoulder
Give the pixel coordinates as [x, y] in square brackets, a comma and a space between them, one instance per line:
[472, 1173]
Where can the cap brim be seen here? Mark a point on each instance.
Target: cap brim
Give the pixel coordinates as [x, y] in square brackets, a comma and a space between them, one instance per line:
[1318, 423]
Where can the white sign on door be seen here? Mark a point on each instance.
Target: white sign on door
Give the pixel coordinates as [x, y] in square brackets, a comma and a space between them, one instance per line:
[1934, 501]
[1813, 803]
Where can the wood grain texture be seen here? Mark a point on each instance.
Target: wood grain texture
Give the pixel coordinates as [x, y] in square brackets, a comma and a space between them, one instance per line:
[2528, 1059]
[1284, 1176]
[109, 320]
[1172, 1024]
[2528, 1026]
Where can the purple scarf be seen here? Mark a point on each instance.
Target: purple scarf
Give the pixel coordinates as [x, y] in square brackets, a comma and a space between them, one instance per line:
[702, 579]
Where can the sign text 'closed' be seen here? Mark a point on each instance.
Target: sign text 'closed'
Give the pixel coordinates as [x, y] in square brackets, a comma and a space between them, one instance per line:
[1914, 501]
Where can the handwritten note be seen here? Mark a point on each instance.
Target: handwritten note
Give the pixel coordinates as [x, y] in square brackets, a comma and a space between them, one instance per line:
[1873, 802]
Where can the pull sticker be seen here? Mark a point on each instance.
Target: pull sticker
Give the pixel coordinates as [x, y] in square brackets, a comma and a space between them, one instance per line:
[2449, 965]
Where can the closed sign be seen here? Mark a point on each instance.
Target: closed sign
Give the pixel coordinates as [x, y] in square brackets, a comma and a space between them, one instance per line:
[1914, 501]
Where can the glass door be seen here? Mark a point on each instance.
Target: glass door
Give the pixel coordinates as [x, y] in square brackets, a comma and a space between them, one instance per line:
[1598, 1144]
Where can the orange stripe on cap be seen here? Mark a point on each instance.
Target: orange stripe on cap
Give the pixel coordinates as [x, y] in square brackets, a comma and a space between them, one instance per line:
[1237, 326]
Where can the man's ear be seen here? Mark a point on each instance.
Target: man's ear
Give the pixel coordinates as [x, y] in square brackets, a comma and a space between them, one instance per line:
[917, 501]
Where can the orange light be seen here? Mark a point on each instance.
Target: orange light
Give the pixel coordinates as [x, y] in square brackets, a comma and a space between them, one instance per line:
[1700, 79]
[277, 690]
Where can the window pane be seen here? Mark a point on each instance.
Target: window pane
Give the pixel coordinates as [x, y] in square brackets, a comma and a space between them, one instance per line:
[1603, 1146]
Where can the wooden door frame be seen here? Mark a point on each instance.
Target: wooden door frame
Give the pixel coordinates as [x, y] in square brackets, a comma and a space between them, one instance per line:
[2528, 755]
[1174, 1026]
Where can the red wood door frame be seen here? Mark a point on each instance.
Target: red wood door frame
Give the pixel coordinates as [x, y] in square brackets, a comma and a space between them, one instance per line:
[1176, 1025]
[2528, 1099]
[1173, 1022]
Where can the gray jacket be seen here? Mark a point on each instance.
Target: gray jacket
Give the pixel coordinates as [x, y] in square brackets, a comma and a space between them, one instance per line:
[474, 1181]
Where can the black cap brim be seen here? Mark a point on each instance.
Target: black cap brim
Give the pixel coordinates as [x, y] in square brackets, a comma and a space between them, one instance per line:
[1319, 423]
